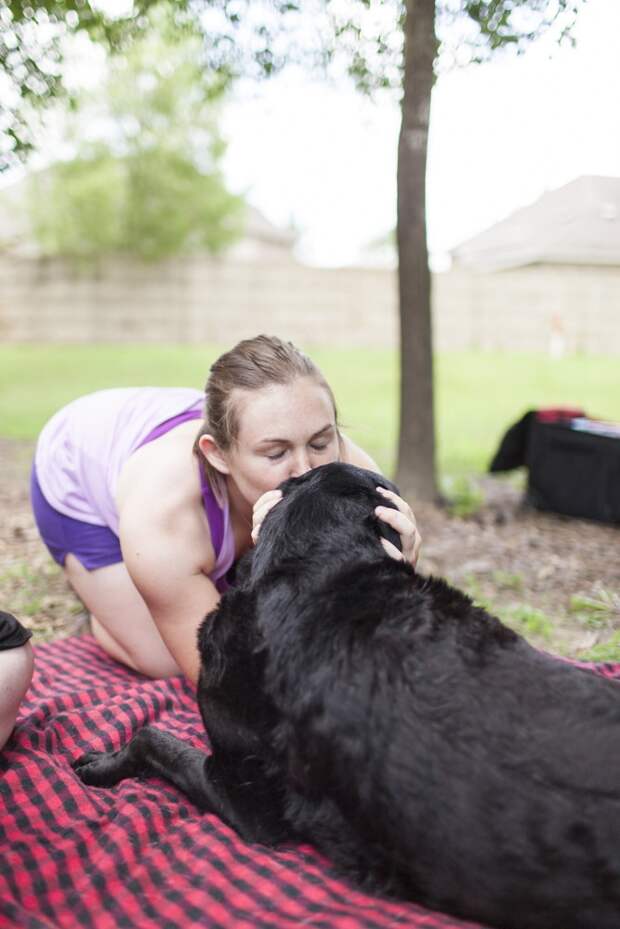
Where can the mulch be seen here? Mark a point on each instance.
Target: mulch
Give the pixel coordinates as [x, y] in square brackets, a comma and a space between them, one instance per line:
[504, 553]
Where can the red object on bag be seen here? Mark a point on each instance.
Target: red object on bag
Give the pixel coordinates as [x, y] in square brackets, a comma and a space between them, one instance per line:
[558, 414]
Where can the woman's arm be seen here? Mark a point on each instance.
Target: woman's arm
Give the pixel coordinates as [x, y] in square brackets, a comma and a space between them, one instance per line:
[164, 564]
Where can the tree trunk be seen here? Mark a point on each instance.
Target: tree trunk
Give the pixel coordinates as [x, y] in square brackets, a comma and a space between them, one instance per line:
[415, 473]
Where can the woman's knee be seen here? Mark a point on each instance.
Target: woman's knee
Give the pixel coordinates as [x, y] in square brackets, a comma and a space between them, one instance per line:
[149, 656]
[16, 666]
[158, 666]
[153, 659]
[120, 619]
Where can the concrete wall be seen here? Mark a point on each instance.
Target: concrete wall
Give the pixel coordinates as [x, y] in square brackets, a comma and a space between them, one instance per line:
[200, 299]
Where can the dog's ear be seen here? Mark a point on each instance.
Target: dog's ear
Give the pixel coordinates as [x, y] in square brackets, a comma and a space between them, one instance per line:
[383, 531]
[384, 482]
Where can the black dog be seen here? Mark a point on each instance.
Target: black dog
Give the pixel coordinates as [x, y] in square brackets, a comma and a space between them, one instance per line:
[422, 745]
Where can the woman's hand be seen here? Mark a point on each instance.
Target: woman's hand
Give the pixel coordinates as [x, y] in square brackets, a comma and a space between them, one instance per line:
[403, 521]
[261, 508]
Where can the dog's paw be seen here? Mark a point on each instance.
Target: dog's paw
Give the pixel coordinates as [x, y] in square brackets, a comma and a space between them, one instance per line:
[97, 769]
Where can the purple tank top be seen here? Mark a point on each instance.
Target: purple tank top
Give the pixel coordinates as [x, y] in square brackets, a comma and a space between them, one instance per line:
[82, 449]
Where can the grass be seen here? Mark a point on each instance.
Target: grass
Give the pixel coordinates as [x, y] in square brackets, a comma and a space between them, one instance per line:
[507, 580]
[604, 651]
[528, 620]
[473, 588]
[464, 496]
[478, 395]
[521, 616]
[34, 593]
[598, 611]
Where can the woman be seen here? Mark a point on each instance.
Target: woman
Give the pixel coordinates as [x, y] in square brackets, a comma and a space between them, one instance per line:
[147, 519]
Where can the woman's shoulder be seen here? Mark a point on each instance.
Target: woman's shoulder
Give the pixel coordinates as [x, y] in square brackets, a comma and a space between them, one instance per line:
[165, 469]
[159, 495]
[353, 454]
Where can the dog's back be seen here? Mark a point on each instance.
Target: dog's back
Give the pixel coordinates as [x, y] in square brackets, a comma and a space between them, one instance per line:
[429, 749]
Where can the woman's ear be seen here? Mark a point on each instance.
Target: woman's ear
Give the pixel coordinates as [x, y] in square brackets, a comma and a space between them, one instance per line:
[212, 452]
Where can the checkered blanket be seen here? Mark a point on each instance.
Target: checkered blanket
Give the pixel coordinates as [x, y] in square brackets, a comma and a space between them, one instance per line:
[141, 855]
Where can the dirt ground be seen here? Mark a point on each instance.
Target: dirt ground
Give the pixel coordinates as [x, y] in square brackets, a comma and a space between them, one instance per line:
[554, 579]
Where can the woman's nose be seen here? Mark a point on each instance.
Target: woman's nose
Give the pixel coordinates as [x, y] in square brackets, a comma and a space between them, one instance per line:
[300, 464]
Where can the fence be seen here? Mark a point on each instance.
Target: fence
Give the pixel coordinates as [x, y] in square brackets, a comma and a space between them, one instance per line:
[557, 308]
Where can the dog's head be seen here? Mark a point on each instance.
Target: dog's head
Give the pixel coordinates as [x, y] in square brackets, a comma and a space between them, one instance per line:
[327, 511]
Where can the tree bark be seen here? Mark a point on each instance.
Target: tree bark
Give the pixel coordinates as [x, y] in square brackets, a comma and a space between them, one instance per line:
[415, 474]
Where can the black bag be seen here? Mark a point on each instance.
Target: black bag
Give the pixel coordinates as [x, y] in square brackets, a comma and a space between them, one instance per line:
[571, 471]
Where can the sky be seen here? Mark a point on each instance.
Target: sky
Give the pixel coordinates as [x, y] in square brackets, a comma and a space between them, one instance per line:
[323, 159]
[501, 134]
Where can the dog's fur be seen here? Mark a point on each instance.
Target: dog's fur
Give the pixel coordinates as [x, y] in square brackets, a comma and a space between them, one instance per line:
[418, 742]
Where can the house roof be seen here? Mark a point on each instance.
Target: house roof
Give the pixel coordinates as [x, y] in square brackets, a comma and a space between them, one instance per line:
[257, 226]
[575, 224]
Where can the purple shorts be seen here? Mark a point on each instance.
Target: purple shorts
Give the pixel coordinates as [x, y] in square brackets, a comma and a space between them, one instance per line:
[94, 546]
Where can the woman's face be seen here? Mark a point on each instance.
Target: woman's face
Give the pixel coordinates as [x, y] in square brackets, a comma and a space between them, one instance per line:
[284, 431]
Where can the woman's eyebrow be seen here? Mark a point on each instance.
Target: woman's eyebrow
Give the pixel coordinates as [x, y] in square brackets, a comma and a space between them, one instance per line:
[316, 435]
[327, 428]
[271, 442]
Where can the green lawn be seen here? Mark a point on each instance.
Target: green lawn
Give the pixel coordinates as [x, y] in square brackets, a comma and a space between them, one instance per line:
[477, 394]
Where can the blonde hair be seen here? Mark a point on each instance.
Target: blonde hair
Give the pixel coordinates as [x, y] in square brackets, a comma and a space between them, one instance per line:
[251, 365]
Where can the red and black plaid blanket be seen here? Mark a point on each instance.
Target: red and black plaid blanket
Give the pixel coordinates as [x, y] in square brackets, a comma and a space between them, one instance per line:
[141, 855]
